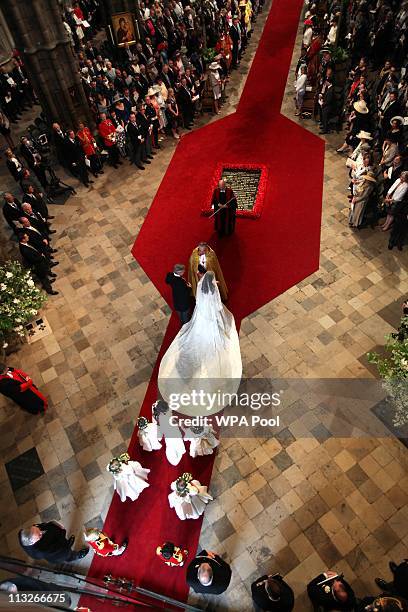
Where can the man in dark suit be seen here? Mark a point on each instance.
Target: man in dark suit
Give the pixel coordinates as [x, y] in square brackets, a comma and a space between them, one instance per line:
[48, 541]
[37, 201]
[186, 104]
[38, 240]
[329, 591]
[11, 211]
[136, 140]
[235, 34]
[326, 99]
[76, 159]
[36, 219]
[33, 158]
[59, 139]
[208, 573]
[38, 262]
[272, 594]
[181, 292]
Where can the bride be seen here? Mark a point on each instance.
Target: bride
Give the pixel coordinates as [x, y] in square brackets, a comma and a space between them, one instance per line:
[204, 357]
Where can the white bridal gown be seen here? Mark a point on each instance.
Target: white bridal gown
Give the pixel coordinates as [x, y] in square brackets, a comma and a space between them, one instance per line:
[148, 437]
[204, 357]
[202, 443]
[131, 480]
[192, 504]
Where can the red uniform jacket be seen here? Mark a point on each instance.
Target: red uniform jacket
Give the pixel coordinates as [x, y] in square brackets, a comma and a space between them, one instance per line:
[108, 132]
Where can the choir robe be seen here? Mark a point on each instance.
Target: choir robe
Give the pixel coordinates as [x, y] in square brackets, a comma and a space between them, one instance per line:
[211, 264]
[225, 219]
[19, 387]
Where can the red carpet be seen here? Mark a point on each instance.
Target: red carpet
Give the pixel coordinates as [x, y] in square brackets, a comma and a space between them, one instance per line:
[264, 258]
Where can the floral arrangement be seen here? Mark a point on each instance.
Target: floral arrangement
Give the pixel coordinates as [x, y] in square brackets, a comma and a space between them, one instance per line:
[394, 370]
[20, 300]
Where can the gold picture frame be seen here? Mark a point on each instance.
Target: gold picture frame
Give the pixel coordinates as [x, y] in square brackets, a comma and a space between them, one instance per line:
[124, 29]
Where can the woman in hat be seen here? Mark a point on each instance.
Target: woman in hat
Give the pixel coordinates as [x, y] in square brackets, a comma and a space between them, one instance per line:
[216, 84]
[130, 478]
[308, 33]
[396, 193]
[188, 497]
[360, 199]
[364, 146]
[396, 129]
[359, 120]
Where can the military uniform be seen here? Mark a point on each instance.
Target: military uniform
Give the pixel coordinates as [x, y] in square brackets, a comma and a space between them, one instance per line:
[263, 600]
[321, 593]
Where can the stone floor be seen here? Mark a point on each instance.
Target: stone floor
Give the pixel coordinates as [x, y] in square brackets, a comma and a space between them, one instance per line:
[292, 504]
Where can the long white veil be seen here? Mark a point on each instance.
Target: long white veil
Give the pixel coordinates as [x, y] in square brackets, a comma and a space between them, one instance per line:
[205, 355]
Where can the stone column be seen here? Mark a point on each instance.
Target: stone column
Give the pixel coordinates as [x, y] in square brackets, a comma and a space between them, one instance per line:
[6, 45]
[40, 35]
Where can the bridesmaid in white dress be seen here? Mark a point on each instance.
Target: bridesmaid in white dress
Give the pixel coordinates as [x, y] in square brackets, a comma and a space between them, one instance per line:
[130, 478]
[173, 439]
[188, 497]
[202, 440]
[148, 435]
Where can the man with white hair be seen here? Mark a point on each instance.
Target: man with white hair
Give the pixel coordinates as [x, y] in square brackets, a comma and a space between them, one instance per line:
[48, 541]
[208, 573]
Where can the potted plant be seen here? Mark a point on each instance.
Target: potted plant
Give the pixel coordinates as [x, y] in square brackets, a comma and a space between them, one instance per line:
[393, 369]
[20, 301]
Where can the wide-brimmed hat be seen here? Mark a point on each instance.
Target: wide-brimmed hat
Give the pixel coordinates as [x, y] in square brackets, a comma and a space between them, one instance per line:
[361, 107]
[369, 176]
[151, 91]
[397, 118]
[362, 135]
[214, 66]
[156, 89]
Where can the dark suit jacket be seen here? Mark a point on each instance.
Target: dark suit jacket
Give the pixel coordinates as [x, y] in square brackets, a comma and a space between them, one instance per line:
[53, 546]
[10, 213]
[401, 579]
[181, 292]
[74, 152]
[221, 574]
[261, 598]
[391, 111]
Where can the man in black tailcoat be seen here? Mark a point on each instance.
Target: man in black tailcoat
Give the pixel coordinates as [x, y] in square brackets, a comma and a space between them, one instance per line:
[208, 573]
[181, 292]
[38, 262]
[11, 211]
[272, 594]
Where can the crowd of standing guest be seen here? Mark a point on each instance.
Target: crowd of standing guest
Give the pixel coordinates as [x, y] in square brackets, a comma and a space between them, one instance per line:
[139, 94]
[372, 106]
